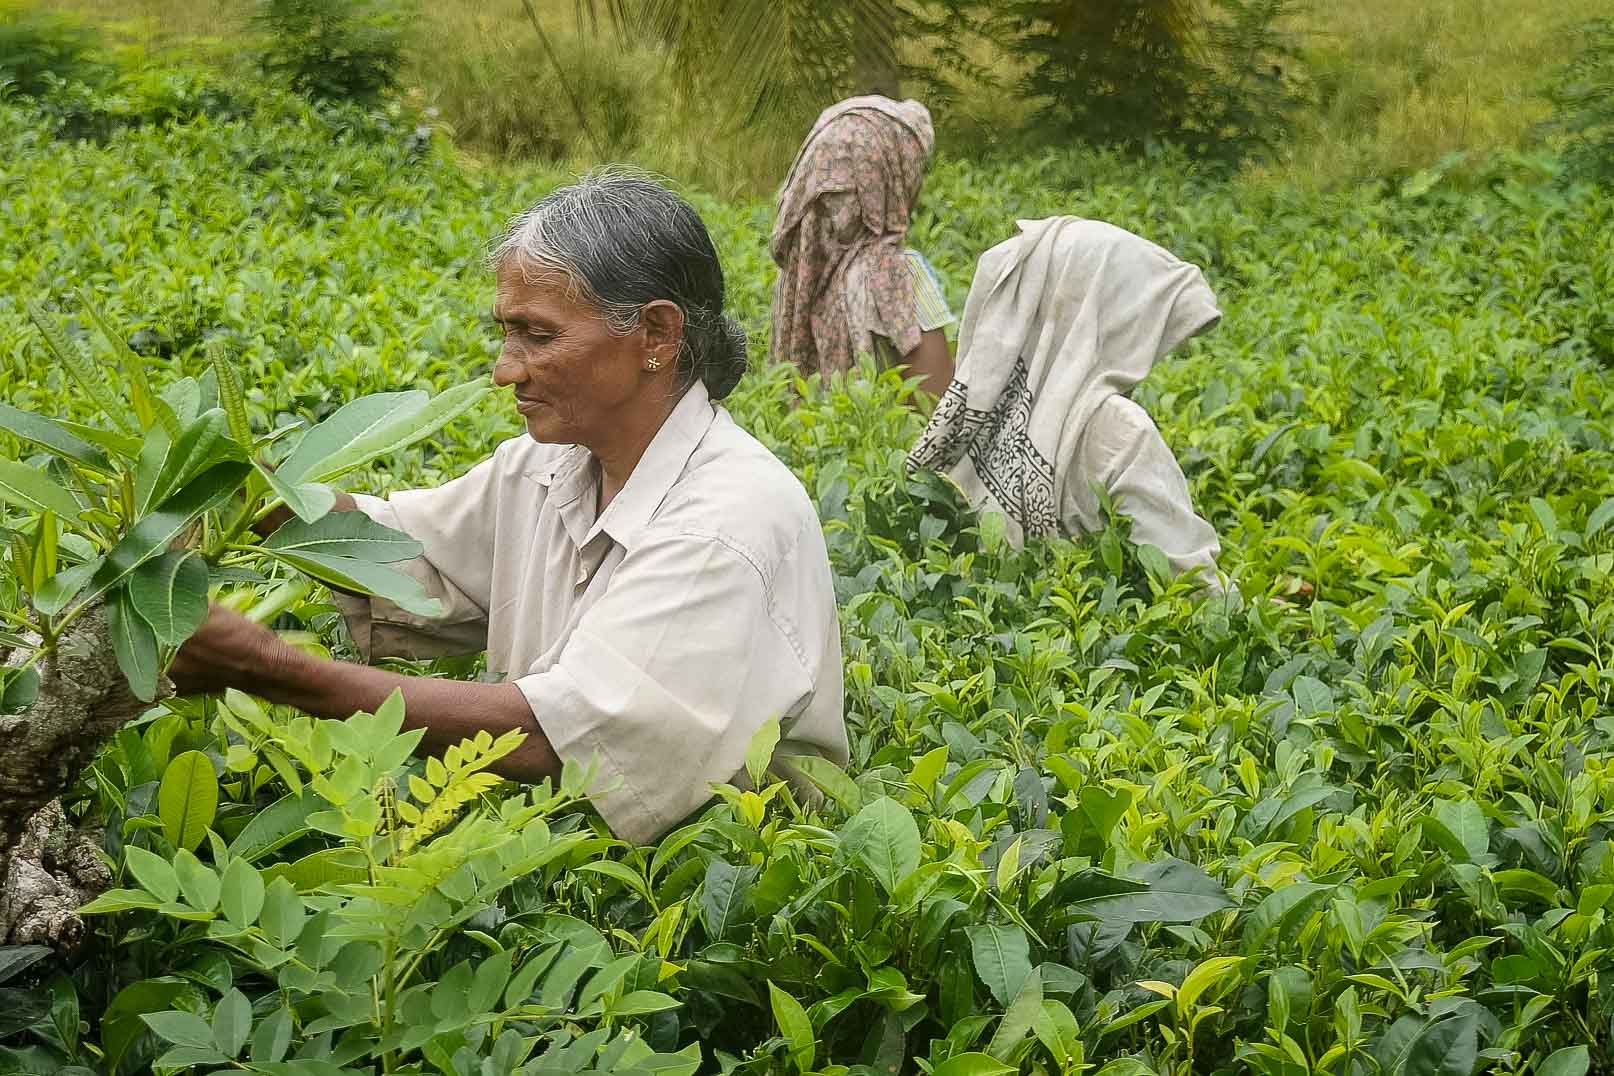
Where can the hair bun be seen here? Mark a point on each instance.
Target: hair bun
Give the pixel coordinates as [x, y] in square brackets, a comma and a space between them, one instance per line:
[729, 360]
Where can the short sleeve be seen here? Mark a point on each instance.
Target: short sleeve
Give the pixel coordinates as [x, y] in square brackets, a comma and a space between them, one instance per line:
[930, 302]
[1124, 452]
[455, 524]
[666, 679]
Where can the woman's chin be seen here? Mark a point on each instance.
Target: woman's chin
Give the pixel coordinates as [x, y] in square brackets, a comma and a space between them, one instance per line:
[542, 427]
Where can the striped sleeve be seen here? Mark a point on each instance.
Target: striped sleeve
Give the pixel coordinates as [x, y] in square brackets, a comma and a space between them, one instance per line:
[930, 302]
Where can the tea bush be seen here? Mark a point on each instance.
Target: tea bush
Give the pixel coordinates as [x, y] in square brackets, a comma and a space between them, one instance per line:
[38, 48]
[1090, 824]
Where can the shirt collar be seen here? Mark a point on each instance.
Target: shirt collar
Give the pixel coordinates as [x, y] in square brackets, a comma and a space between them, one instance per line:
[658, 469]
[572, 478]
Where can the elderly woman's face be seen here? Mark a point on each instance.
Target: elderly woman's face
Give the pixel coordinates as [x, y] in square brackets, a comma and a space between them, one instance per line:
[571, 375]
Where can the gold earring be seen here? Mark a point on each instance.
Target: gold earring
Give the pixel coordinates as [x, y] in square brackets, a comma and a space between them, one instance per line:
[653, 363]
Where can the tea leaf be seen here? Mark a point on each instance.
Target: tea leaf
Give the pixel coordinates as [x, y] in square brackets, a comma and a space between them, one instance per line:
[794, 1026]
[1002, 957]
[885, 839]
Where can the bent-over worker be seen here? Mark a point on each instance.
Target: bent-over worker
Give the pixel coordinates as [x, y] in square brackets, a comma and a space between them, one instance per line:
[849, 284]
[1062, 321]
[650, 580]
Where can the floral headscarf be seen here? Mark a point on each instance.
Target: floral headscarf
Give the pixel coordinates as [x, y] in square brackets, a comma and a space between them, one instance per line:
[841, 232]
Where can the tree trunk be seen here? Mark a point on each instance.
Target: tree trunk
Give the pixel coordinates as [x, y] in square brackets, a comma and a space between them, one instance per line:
[48, 868]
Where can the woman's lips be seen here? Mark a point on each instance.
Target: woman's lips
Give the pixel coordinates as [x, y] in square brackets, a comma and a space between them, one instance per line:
[527, 406]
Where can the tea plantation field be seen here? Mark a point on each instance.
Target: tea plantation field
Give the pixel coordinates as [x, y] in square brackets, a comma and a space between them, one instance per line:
[1091, 826]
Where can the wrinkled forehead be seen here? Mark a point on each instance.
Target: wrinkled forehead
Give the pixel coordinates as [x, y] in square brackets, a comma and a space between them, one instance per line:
[523, 284]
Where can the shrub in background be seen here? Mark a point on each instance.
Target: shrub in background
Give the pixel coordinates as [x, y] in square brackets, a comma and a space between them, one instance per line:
[333, 50]
[1583, 103]
[1116, 73]
[82, 112]
[1217, 79]
[37, 46]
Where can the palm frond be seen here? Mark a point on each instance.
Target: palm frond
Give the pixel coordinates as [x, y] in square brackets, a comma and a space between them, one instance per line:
[748, 60]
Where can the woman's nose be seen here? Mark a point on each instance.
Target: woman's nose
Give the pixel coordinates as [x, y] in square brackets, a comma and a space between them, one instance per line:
[508, 370]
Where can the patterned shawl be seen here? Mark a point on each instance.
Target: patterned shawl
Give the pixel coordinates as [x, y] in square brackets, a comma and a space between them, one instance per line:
[1060, 318]
[841, 231]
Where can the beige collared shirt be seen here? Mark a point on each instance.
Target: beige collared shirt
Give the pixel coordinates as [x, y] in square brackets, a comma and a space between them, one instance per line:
[653, 639]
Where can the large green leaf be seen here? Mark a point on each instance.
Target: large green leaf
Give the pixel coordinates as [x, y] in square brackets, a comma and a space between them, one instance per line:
[151, 536]
[154, 873]
[794, 1026]
[50, 434]
[64, 586]
[973, 1064]
[344, 535]
[188, 799]
[166, 463]
[1460, 828]
[170, 593]
[121, 1023]
[184, 1028]
[31, 489]
[884, 838]
[135, 646]
[124, 445]
[828, 777]
[1448, 1047]
[184, 398]
[241, 893]
[1569, 1061]
[1295, 899]
[1179, 892]
[309, 500]
[277, 825]
[363, 577]
[1002, 955]
[1020, 1019]
[725, 897]
[328, 866]
[373, 431]
[348, 423]
[232, 1022]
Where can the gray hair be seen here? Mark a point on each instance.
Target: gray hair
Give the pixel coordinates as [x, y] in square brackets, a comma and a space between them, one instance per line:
[622, 241]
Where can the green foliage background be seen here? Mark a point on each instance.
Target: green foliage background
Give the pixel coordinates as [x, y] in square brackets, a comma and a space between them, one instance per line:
[1089, 822]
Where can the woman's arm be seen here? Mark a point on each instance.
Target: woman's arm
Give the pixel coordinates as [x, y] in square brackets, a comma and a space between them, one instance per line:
[932, 359]
[231, 651]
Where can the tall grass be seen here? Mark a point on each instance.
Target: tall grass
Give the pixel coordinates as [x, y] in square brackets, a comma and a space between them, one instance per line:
[481, 66]
[1404, 83]
[1400, 85]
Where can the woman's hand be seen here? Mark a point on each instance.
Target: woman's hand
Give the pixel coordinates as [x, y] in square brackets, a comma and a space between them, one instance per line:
[280, 514]
[231, 651]
[228, 650]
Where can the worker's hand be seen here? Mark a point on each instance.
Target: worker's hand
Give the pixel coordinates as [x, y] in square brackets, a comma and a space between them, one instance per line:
[227, 651]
